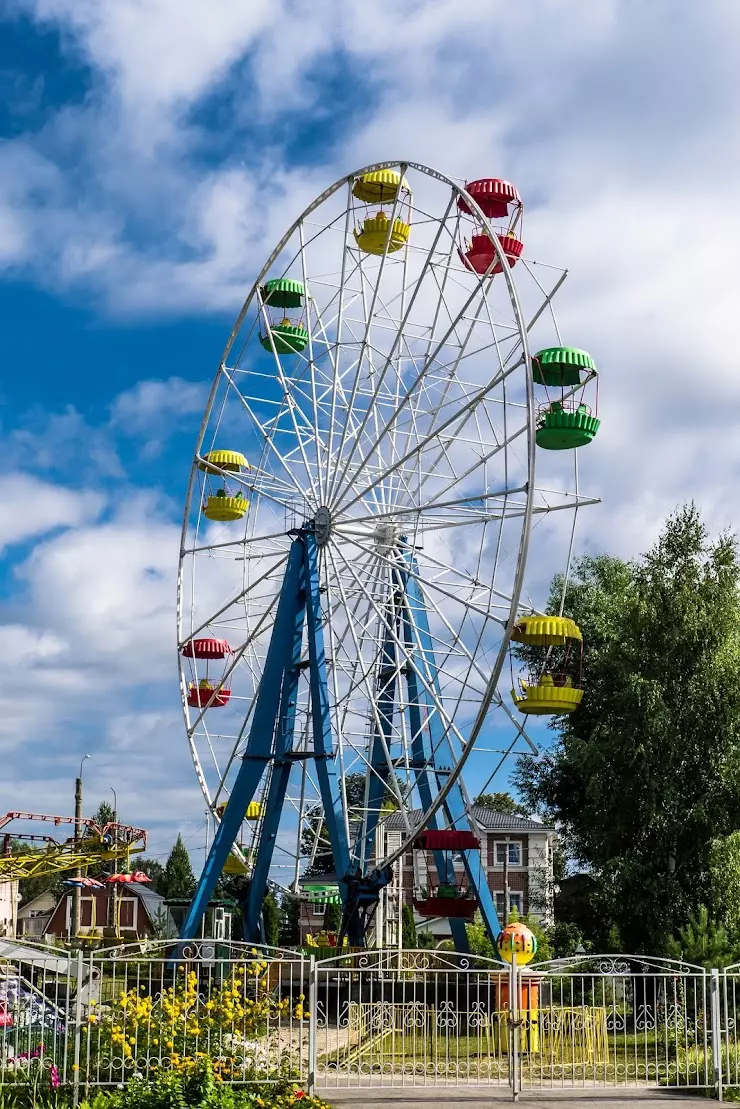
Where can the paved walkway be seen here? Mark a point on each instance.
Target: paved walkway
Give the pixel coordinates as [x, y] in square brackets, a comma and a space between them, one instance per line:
[414, 1098]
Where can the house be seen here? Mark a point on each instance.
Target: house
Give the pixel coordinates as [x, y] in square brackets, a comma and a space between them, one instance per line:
[34, 916]
[217, 922]
[311, 913]
[9, 898]
[515, 850]
[525, 844]
[141, 912]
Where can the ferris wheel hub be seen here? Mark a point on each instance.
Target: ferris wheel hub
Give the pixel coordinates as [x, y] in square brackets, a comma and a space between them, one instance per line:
[385, 536]
[322, 526]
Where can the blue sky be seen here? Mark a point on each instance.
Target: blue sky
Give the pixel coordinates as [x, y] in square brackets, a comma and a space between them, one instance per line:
[151, 155]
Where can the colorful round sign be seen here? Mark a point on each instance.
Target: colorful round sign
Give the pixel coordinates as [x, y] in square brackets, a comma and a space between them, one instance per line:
[517, 938]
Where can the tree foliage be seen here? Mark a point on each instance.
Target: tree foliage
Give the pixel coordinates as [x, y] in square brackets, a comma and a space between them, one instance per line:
[332, 917]
[154, 870]
[103, 815]
[271, 919]
[703, 941]
[409, 937]
[501, 802]
[179, 880]
[289, 924]
[646, 774]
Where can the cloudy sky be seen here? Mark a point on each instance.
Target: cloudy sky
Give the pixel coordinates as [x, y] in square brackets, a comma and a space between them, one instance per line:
[152, 153]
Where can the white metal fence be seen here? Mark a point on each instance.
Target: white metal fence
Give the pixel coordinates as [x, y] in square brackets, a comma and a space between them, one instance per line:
[369, 1019]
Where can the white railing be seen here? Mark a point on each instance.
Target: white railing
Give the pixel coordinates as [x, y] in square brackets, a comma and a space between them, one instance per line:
[365, 1019]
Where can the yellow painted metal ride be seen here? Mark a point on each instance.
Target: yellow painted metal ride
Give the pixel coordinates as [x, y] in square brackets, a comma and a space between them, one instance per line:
[221, 502]
[94, 846]
[379, 232]
[554, 681]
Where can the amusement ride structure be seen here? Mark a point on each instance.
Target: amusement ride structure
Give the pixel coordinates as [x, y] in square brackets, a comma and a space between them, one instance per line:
[91, 846]
[360, 513]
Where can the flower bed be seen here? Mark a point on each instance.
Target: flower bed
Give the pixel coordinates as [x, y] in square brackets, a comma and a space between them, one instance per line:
[242, 1026]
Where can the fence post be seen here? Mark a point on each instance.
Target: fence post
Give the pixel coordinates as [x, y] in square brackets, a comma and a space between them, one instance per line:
[78, 1031]
[514, 1025]
[313, 997]
[716, 1033]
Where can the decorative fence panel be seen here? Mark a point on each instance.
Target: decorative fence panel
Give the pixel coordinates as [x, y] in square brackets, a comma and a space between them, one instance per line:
[415, 1018]
[615, 1021]
[370, 1019]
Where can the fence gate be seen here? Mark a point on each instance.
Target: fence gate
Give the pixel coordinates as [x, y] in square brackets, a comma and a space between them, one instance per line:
[726, 991]
[367, 1019]
[411, 1018]
[612, 1022]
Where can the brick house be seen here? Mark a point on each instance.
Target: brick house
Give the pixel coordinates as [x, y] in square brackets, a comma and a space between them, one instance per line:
[528, 845]
[142, 913]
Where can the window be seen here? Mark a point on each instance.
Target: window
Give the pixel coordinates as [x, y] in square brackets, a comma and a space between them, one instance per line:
[318, 908]
[515, 853]
[516, 901]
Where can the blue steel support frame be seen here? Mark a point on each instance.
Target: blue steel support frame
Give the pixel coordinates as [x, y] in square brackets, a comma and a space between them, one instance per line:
[280, 775]
[271, 738]
[326, 768]
[382, 736]
[418, 638]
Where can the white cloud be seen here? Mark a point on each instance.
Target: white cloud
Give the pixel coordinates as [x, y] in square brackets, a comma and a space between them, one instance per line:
[154, 410]
[109, 590]
[616, 120]
[30, 507]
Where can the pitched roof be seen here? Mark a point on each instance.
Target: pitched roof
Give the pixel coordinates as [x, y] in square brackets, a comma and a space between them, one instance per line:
[487, 818]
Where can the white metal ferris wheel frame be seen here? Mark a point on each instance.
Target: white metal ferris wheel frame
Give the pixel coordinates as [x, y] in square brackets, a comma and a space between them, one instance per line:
[490, 694]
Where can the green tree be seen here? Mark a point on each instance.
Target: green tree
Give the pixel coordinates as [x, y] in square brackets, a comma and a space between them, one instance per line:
[154, 870]
[564, 939]
[103, 814]
[409, 938]
[271, 919]
[289, 925]
[646, 774]
[478, 938]
[179, 880]
[703, 941]
[354, 785]
[332, 917]
[501, 802]
[724, 881]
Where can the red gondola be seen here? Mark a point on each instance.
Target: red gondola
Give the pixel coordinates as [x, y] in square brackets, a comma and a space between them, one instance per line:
[499, 201]
[205, 692]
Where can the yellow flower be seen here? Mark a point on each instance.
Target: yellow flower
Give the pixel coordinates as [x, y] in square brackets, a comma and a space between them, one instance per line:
[75, 1066]
[132, 1039]
[92, 1018]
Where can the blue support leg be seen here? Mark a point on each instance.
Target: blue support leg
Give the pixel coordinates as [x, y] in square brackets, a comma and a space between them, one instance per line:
[454, 806]
[326, 767]
[279, 779]
[381, 742]
[422, 757]
[260, 741]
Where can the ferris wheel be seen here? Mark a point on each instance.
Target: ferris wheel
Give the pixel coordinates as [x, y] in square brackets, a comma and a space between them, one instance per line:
[360, 514]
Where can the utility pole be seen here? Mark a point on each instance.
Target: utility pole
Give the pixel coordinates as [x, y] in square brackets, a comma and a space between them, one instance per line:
[77, 891]
[113, 895]
[506, 883]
